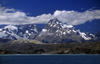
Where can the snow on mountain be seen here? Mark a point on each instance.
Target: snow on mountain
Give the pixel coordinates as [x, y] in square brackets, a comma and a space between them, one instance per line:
[56, 31]
[57, 26]
[82, 34]
[54, 22]
[11, 27]
[28, 31]
[2, 34]
[66, 26]
[42, 32]
[0, 29]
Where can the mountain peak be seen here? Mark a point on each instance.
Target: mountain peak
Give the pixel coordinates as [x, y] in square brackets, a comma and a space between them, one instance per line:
[54, 21]
[57, 31]
[53, 25]
[58, 24]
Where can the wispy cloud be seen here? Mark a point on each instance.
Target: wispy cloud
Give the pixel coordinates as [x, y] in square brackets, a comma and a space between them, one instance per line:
[11, 16]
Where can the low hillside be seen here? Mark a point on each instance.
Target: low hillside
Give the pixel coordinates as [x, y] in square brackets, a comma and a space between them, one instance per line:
[64, 48]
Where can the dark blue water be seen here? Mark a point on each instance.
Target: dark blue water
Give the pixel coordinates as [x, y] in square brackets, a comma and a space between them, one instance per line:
[50, 59]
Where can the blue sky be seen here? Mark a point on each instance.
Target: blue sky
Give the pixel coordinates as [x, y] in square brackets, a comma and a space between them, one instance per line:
[84, 14]
[38, 7]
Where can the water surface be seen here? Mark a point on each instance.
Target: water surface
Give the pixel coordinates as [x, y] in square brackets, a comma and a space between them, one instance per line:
[50, 59]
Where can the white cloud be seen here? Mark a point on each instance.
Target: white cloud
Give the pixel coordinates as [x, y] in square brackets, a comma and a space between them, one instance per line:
[11, 16]
[76, 18]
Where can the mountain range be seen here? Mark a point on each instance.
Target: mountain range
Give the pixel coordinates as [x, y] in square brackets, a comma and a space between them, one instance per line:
[54, 31]
[27, 31]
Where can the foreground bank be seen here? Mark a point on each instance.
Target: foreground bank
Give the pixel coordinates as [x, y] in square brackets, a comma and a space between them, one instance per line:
[60, 48]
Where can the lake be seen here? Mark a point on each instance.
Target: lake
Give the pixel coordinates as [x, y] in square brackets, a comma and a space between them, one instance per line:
[50, 59]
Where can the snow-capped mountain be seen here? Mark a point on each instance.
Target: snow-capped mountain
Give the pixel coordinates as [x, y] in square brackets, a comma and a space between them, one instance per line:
[57, 32]
[53, 32]
[28, 31]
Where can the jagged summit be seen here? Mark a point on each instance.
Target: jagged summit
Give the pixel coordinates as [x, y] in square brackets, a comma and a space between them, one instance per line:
[55, 23]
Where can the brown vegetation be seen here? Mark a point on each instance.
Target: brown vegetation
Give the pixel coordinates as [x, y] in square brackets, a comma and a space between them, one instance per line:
[61, 48]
